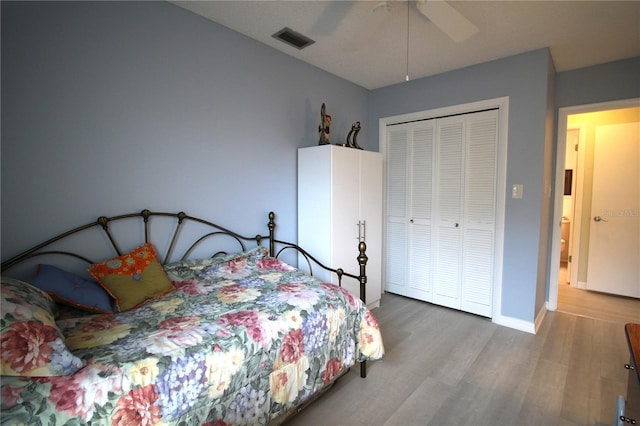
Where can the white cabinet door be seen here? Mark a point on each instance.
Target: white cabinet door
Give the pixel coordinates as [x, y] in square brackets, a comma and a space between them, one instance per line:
[340, 201]
[345, 213]
[371, 188]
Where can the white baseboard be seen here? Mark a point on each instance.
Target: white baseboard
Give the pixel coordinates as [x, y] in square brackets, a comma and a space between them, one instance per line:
[581, 284]
[374, 305]
[539, 318]
[515, 323]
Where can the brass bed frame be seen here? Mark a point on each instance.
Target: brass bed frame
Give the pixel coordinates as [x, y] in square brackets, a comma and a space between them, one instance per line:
[212, 230]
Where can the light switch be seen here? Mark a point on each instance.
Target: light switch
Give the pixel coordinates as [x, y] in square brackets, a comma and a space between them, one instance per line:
[517, 190]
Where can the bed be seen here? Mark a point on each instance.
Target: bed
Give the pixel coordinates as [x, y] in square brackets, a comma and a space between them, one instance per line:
[195, 333]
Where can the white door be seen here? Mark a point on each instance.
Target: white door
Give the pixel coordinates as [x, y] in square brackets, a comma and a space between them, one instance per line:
[396, 221]
[479, 213]
[422, 136]
[465, 219]
[441, 200]
[409, 209]
[614, 241]
[450, 162]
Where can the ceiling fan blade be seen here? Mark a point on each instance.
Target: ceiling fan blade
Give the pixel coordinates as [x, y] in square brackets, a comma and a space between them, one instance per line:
[448, 19]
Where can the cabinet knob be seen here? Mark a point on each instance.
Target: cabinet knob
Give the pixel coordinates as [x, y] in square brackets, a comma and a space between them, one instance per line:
[630, 367]
[411, 220]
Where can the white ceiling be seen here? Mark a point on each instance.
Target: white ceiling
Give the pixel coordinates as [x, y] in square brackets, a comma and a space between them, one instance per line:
[368, 45]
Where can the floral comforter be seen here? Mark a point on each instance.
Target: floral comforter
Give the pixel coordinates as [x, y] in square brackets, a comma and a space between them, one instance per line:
[242, 340]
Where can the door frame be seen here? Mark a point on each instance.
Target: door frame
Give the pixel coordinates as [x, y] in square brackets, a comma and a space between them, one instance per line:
[577, 191]
[502, 104]
[556, 235]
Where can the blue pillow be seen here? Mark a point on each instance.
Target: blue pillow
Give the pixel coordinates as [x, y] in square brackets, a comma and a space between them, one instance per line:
[71, 289]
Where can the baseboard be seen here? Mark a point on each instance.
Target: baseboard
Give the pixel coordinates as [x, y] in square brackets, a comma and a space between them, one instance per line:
[540, 317]
[581, 284]
[515, 323]
[374, 305]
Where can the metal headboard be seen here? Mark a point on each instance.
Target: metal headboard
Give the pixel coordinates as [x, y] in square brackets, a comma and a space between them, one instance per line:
[105, 222]
[276, 247]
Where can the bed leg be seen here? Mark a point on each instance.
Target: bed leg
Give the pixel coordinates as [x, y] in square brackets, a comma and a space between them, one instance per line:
[363, 369]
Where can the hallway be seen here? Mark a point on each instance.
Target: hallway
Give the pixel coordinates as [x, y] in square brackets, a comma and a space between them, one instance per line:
[596, 305]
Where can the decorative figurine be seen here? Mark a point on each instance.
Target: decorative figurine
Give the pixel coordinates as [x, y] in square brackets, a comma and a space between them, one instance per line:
[349, 136]
[353, 134]
[323, 128]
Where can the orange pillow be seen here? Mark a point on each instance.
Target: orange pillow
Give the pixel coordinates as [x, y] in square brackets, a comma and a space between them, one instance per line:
[134, 278]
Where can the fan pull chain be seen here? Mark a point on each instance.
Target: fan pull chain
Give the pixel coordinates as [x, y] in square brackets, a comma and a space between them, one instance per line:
[407, 74]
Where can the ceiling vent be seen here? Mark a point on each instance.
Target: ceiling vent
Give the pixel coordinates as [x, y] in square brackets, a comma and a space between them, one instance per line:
[293, 38]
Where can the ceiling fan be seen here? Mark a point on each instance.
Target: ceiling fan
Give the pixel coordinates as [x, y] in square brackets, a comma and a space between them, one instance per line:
[444, 16]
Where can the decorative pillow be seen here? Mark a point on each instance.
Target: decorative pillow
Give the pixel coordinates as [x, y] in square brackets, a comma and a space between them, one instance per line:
[72, 289]
[173, 269]
[32, 344]
[134, 278]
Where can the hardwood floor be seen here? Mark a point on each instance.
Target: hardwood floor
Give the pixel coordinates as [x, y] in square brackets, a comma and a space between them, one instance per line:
[445, 367]
[596, 305]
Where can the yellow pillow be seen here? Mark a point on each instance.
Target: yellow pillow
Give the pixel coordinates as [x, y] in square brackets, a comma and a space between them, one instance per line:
[134, 278]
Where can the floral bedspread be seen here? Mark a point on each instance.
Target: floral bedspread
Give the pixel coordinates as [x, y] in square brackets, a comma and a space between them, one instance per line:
[242, 340]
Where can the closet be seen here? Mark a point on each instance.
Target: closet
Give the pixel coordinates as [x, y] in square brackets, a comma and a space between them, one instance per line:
[441, 207]
[340, 204]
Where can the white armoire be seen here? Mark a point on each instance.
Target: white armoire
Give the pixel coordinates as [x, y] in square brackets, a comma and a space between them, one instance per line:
[339, 205]
[441, 208]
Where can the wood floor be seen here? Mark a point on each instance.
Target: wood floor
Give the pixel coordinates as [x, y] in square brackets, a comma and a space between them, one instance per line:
[445, 367]
[596, 305]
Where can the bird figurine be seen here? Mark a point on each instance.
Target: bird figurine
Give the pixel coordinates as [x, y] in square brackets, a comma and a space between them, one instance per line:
[323, 128]
[353, 135]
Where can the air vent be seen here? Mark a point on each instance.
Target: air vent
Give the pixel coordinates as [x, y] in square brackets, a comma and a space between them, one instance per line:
[293, 38]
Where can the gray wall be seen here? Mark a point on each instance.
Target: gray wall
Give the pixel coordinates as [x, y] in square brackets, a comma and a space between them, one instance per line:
[600, 83]
[525, 79]
[613, 81]
[546, 211]
[112, 107]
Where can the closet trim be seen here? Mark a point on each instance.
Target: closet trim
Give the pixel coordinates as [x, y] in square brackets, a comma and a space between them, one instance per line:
[441, 116]
[502, 105]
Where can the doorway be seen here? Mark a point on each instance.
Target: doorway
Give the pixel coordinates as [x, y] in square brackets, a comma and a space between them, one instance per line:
[577, 125]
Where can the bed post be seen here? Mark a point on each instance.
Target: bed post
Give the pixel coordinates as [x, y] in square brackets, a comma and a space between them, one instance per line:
[362, 261]
[272, 239]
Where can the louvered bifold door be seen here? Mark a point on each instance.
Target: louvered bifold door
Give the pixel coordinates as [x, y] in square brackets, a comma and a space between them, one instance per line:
[396, 221]
[421, 139]
[447, 247]
[479, 212]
